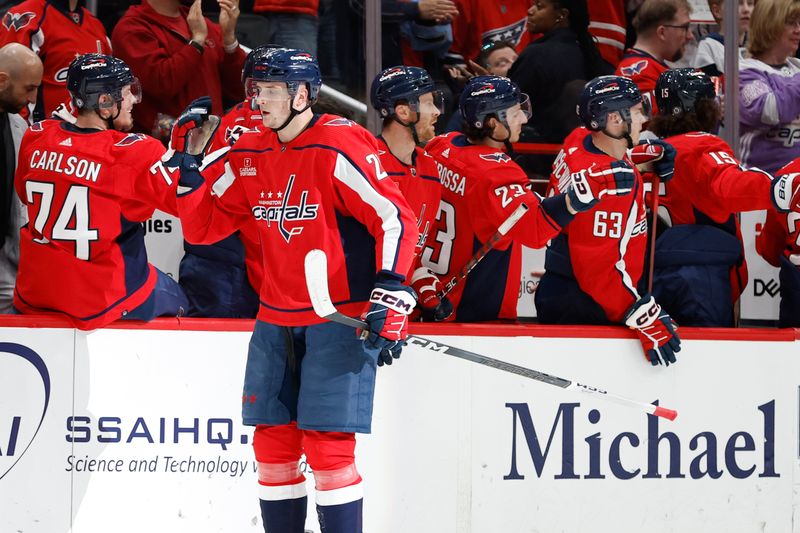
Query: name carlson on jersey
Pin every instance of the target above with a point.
(451, 180)
(67, 165)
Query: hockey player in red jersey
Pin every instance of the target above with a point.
(87, 188)
(663, 32)
(309, 182)
(482, 187)
(779, 241)
(407, 100)
(700, 269)
(593, 268)
(57, 30)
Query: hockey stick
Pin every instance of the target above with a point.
(654, 211)
(504, 228)
(316, 265)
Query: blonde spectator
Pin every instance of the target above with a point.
(770, 86)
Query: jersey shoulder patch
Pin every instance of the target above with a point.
(497, 157)
(339, 121)
(130, 139)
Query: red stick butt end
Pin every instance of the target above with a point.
(663, 412)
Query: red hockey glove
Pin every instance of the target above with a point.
(786, 192)
(387, 317)
(427, 286)
(656, 331)
(657, 155)
(589, 186)
(194, 116)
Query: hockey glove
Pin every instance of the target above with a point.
(426, 284)
(589, 186)
(656, 154)
(387, 318)
(786, 193)
(656, 331)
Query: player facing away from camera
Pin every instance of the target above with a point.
(88, 187)
(700, 269)
(593, 268)
(409, 104)
(482, 187)
(309, 182)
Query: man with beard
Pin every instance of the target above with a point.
(663, 30)
(407, 100)
(20, 77)
(180, 55)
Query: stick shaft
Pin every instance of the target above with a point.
(652, 252)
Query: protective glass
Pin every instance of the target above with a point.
(525, 105)
(258, 91)
(134, 89)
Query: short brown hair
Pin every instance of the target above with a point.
(654, 13)
(767, 22)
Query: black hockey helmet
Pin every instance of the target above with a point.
(290, 66)
(90, 76)
(608, 94)
(486, 96)
(402, 84)
(679, 89)
(255, 55)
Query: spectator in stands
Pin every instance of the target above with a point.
(180, 55)
(710, 57)
(20, 78)
(56, 30)
(663, 31)
(553, 70)
(290, 23)
(480, 22)
(496, 58)
(770, 86)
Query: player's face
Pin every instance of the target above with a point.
(430, 108)
(638, 119)
(543, 16)
(124, 121)
(499, 62)
(677, 34)
(274, 101)
(516, 117)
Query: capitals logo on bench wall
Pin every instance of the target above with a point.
(17, 21)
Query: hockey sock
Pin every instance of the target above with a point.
(339, 488)
(282, 487)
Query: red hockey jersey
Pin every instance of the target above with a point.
(780, 235)
(606, 244)
(481, 187)
(644, 70)
(57, 35)
(710, 186)
(86, 192)
(325, 189)
(419, 183)
(480, 22)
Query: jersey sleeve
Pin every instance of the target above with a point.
(217, 206)
(771, 241)
(21, 25)
(768, 99)
(368, 194)
(728, 183)
(141, 178)
(497, 201)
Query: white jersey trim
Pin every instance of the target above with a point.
(224, 182)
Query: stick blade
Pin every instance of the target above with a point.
(316, 265)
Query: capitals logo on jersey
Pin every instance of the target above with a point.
(497, 157)
(17, 21)
(130, 139)
(511, 33)
(281, 211)
(634, 69)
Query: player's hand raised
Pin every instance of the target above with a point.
(588, 187)
(786, 192)
(656, 331)
(387, 317)
(655, 155)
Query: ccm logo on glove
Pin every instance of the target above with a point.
(396, 300)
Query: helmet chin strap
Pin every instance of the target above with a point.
(625, 135)
(413, 127)
(507, 141)
(292, 113)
